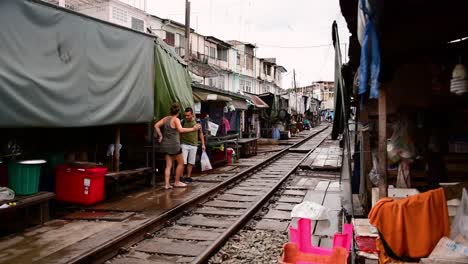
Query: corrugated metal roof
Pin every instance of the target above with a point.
(259, 103)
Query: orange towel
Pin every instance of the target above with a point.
(411, 227)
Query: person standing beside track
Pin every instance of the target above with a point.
(190, 143)
(170, 144)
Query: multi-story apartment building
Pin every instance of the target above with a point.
(114, 11)
(228, 65)
(322, 91)
(172, 32)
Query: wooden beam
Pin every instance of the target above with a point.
(383, 188)
(116, 149)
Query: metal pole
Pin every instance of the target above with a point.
(187, 31)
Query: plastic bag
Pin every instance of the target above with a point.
(401, 144)
(460, 222)
(403, 178)
(6, 194)
(205, 162)
(310, 210)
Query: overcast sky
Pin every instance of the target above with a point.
(282, 29)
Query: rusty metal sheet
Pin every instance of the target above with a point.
(189, 234)
(223, 204)
(277, 214)
(198, 220)
(170, 247)
(295, 192)
(288, 199)
(267, 224)
(99, 215)
(237, 198)
(217, 211)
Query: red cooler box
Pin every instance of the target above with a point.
(79, 185)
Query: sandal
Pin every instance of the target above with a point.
(168, 187)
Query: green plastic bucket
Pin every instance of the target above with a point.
(23, 176)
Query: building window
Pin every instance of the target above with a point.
(119, 14)
(212, 82)
(266, 88)
(246, 86)
(181, 40)
(238, 58)
(221, 82)
(170, 39)
(138, 24)
(268, 70)
(222, 53)
(249, 62)
(212, 53)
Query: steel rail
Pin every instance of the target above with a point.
(112, 247)
(247, 216)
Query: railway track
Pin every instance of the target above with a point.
(192, 232)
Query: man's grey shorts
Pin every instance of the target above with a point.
(190, 153)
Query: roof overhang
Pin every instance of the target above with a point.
(218, 41)
(257, 102)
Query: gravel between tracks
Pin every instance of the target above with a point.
(252, 246)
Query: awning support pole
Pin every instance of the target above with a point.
(117, 150)
(383, 188)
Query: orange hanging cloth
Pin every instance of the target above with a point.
(410, 228)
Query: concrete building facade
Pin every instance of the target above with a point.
(228, 65)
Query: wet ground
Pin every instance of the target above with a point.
(62, 240)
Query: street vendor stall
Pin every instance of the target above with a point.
(220, 115)
(412, 103)
(68, 97)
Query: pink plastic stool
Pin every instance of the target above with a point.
(302, 236)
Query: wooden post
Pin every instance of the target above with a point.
(116, 149)
(383, 188)
(153, 156)
(366, 158)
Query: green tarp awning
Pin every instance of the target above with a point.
(172, 81)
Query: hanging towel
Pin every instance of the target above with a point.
(410, 228)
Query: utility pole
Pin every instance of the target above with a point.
(187, 31)
(295, 91)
